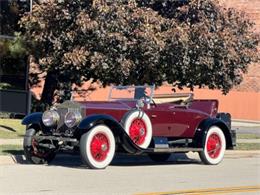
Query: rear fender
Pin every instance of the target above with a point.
(120, 134)
(202, 130)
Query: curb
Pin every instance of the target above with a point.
(12, 159)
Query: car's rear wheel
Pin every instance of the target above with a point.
(139, 128)
(214, 147)
(35, 153)
(159, 157)
(97, 147)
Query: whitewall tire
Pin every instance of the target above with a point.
(139, 128)
(214, 147)
(97, 147)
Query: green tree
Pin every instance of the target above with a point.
(186, 43)
(13, 63)
(13, 59)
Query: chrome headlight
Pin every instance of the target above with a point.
(72, 118)
(50, 118)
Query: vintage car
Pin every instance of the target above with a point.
(134, 120)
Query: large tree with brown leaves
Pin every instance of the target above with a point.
(186, 43)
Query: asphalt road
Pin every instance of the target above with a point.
(134, 175)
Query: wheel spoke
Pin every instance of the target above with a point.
(214, 145)
(138, 131)
(99, 147)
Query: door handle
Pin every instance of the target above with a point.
(154, 116)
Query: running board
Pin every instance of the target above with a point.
(172, 150)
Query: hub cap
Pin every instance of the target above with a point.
(99, 147)
(138, 131)
(214, 145)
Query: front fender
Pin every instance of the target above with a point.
(202, 130)
(34, 118)
(120, 134)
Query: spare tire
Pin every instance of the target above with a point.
(139, 128)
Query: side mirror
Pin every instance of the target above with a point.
(139, 104)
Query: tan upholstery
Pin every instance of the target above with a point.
(173, 98)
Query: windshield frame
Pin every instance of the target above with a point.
(121, 87)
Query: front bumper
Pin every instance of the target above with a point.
(55, 142)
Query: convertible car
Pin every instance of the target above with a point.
(134, 120)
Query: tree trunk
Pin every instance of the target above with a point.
(49, 88)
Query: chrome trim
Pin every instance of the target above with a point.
(77, 117)
(55, 117)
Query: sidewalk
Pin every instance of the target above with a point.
(245, 123)
(11, 141)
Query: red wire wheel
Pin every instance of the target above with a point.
(99, 147)
(214, 145)
(138, 126)
(138, 131)
(34, 153)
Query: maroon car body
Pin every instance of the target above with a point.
(169, 120)
(154, 124)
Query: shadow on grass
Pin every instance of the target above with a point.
(8, 128)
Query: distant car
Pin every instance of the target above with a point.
(134, 120)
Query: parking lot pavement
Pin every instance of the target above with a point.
(132, 175)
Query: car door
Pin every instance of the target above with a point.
(173, 121)
(161, 119)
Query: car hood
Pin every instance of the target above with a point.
(113, 105)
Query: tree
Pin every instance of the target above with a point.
(13, 60)
(186, 43)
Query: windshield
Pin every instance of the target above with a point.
(131, 93)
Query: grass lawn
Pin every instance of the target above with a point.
(11, 128)
(248, 146)
(248, 136)
(11, 149)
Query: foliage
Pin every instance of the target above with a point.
(186, 43)
(13, 57)
(10, 14)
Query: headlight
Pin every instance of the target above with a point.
(72, 119)
(50, 118)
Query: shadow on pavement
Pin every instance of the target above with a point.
(120, 160)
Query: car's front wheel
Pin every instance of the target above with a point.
(33, 152)
(97, 147)
(214, 147)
